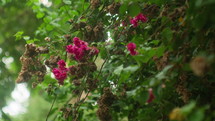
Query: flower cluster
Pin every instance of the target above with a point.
(60, 72)
(131, 47)
(140, 17)
(80, 48)
(151, 96)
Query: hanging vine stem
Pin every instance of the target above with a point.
(87, 94)
(100, 71)
(76, 115)
(51, 107)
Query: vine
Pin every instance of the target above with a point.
(138, 60)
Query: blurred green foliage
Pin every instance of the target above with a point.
(14, 16)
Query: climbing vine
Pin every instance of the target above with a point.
(124, 60)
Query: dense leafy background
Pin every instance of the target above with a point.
(175, 57)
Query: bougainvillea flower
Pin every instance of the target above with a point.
(151, 96)
(131, 48)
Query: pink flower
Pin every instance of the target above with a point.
(78, 49)
(79, 53)
(151, 96)
(79, 43)
(134, 22)
(60, 75)
(133, 52)
(75, 39)
(61, 63)
(141, 17)
(70, 48)
(131, 47)
(84, 46)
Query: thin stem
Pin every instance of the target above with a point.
(80, 104)
(51, 107)
(100, 71)
(79, 97)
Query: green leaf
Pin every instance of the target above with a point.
(49, 27)
(124, 76)
(123, 9)
(167, 35)
(141, 96)
(68, 2)
(18, 35)
(131, 69)
(26, 38)
(118, 70)
(29, 41)
(163, 73)
(57, 2)
(197, 115)
(40, 15)
(134, 9)
(188, 108)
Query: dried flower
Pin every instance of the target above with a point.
(199, 65)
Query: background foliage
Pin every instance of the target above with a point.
(175, 58)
